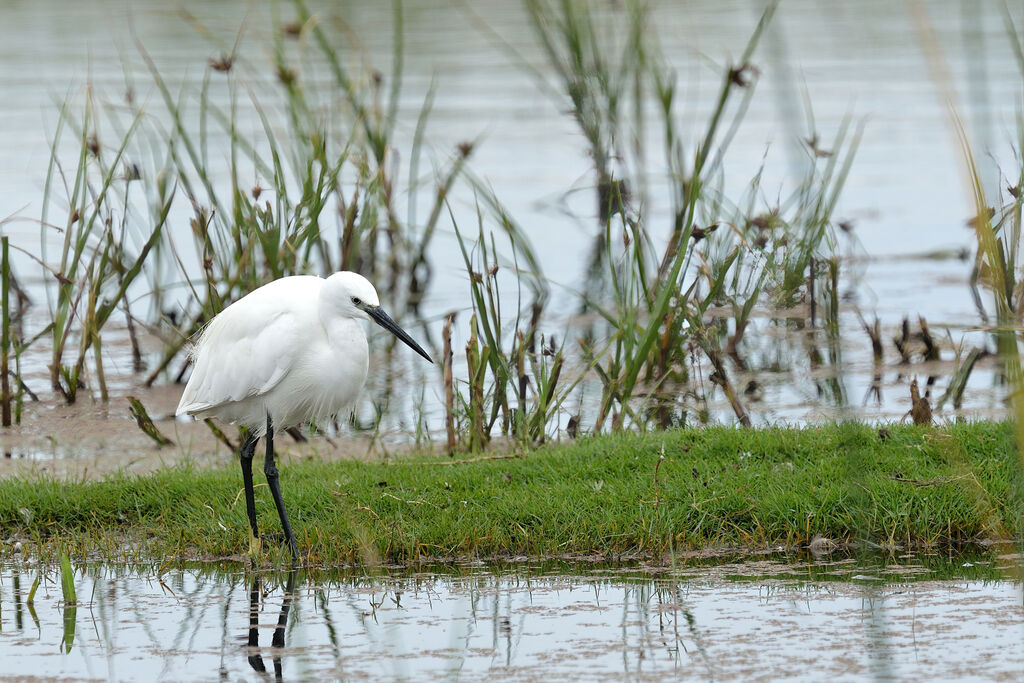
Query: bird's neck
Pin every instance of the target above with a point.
(347, 335)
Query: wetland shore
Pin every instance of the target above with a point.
(653, 495)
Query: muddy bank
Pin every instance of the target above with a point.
(93, 438)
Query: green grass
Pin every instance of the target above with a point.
(716, 488)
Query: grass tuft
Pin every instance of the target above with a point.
(610, 495)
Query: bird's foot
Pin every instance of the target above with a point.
(255, 546)
(256, 542)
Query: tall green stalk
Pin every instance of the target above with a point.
(5, 333)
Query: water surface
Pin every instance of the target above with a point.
(905, 195)
(771, 618)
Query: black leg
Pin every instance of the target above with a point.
(270, 470)
(246, 455)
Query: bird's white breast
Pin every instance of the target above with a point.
(325, 379)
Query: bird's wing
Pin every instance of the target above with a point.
(240, 355)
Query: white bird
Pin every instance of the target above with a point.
(291, 352)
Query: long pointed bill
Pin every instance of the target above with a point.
(385, 321)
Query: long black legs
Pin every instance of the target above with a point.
(270, 470)
(248, 450)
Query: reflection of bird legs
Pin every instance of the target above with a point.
(282, 618)
(277, 642)
(270, 471)
(255, 660)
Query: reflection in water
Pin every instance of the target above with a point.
(904, 195)
(277, 642)
(17, 602)
(70, 621)
(761, 618)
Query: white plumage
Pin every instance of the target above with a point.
(290, 352)
(294, 349)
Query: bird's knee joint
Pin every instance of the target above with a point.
(248, 449)
(270, 471)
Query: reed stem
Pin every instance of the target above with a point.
(5, 326)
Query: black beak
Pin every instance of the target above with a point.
(385, 321)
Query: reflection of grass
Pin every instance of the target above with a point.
(318, 187)
(716, 487)
(314, 189)
(646, 297)
(999, 235)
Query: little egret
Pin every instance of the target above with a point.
(290, 352)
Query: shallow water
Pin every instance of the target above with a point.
(905, 194)
(770, 618)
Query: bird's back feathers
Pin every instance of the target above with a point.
(293, 350)
(248, 348)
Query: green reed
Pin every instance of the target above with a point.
(318, 187)
(649, 301)
(313, 191)
(103, 249)
(5, 333)
(653, 297)
(12, 386)
(512, 374)
(999, 245)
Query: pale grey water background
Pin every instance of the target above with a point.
(765, 619)
(905, 195)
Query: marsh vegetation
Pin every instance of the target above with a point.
(160, 208)
(164, 204)
(694, 287)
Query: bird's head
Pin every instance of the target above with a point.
(352, 296)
